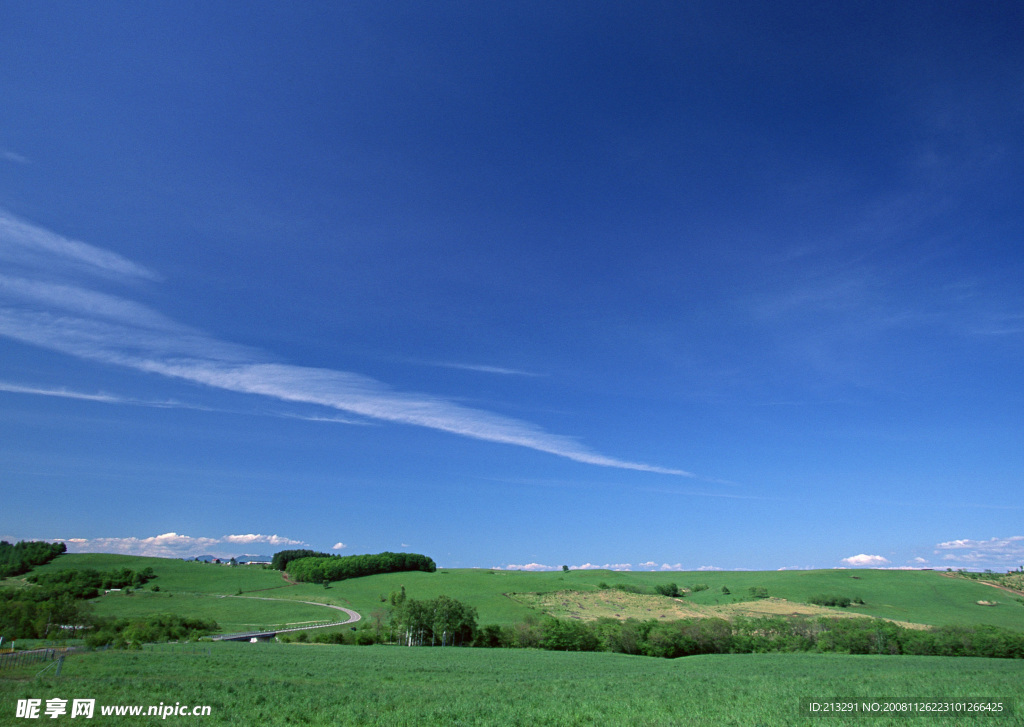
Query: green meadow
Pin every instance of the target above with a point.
(314, 684)
(176, 575)
(922, 597)
(232, 613)
(279, 684)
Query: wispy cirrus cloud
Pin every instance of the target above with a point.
(12, 157)
(60, 393)
(104, 398)
(484, 369)
(25, 244)
(63, 393)
(90, 324)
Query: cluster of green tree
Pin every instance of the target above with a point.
(674, 591)
(57, 606)
(157, 627)
(668, 589)
(24, 615)
(24, 555)
(87, 582)
(337, 568)
(833, 600)
(282, 558)
(442, 621)
(673, 639)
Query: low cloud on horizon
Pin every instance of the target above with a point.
(864, 559)
(172, 545)
(994, 551)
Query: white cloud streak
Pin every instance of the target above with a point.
(16, 158)
(98, 326)
(102, 398)
(60, 393)
(500, 370)
(26, 244)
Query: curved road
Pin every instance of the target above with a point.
(352, 618)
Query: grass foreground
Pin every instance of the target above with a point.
(279, 684)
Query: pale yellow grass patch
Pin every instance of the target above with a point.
(613, 603)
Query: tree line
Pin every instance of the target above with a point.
(689, 637)
(132, 633)
(87, 582)
(57, 605)
(327, 568)
(24, 555)
(444, 621)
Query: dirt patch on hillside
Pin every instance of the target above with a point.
(611, 603)
(591, 605)
(1011, 584)
(776, 607)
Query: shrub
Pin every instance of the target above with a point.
(830, 600)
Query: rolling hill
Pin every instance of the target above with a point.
(505, 597)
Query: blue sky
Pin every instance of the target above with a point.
(516, 285)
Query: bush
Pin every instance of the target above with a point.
(567, 635)
(830, 600)
(25, 555)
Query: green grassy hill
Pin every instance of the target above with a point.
(188, 588)
(924, 597)
(174, 574)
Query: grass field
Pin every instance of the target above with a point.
(277, 684)
(232, 613)
(174, 574)
(920, 597)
